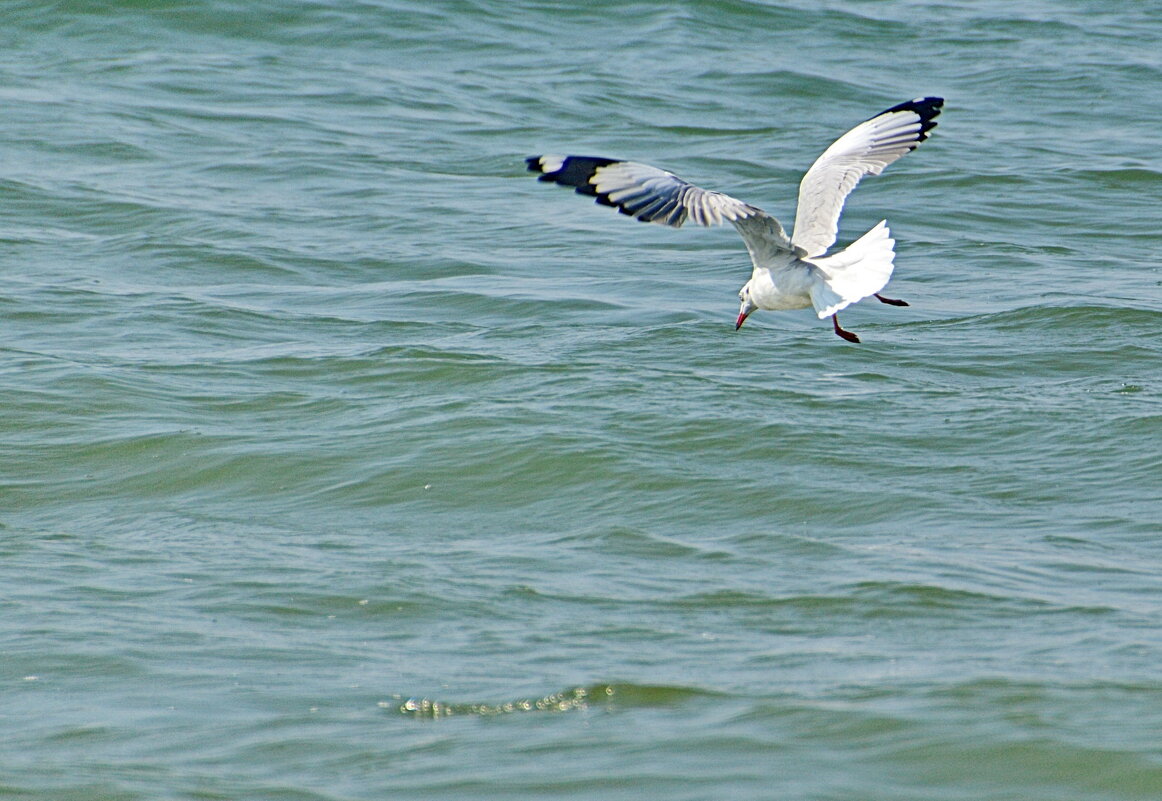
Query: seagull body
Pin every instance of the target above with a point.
(793, 272)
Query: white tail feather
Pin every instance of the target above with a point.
(859, 270)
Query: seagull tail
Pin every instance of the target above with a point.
(861, 269)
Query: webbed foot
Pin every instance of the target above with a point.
(849, 336)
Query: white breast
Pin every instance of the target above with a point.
(788, 287)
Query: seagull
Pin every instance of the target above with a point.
(789, 273)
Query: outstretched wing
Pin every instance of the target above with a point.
(658, 196)
(641, 191)
(864, 150)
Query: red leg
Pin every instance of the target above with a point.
(890, 301)
(850, 337)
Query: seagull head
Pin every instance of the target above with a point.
(746, 308)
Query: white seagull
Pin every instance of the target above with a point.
(789, 273)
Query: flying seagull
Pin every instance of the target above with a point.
(789, 273)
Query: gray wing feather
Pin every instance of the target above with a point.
(654, 195)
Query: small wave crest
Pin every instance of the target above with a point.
(574, 699)
(570, 700)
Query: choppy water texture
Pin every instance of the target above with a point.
(340, 459)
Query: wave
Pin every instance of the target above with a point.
(572, 699)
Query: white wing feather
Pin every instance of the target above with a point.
(864, 150)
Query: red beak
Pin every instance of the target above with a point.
(741, 319)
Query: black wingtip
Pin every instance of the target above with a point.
(574, 171)
(926, 108)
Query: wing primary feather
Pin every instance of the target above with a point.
(864, 150)
(657, 196)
